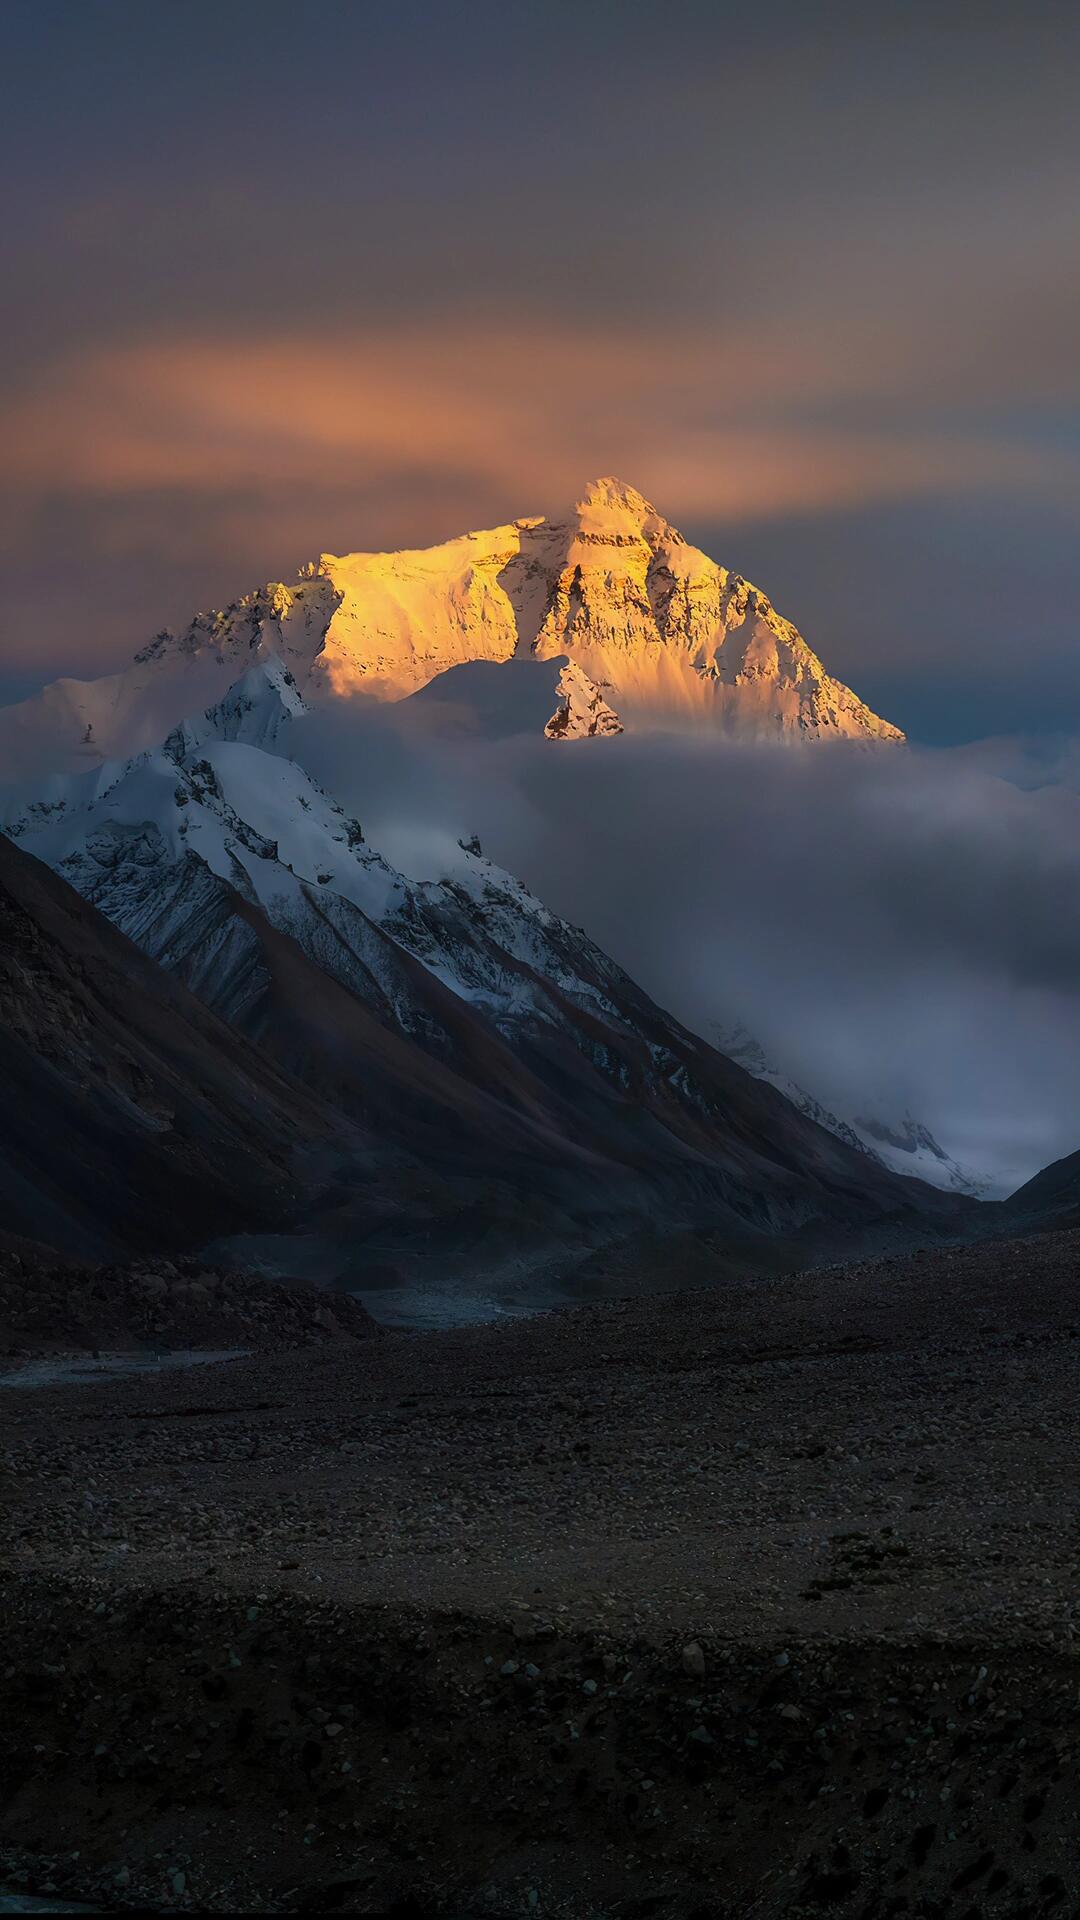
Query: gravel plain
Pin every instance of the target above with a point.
(760, 1599)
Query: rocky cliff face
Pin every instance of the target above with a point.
(660, 629)
(655, 633)
(669, 632)
(582, 712)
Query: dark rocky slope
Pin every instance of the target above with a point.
(1052, 1197)
(567, 1120)
(132, 1118)
(139, 1121)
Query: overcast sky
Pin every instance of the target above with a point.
(292, 278)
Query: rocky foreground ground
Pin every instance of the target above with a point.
(755, 1601)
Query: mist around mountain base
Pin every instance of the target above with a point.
(900, 931)
(639, 735)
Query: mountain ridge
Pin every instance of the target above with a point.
(456, 1020)
(654, 631)
(904, 1144)
(134, 1118)
(475, 1078)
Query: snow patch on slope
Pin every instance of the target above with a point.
(149, 840)
(582, 712)
(905, 1146)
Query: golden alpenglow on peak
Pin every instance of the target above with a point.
(667, 634)
(620, 498)
(662, 635)
(610, 507)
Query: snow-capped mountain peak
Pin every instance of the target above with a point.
(665, 636)
(257, 711)
(611, 511)
(155, 842)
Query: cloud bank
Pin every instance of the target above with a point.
(901, 931)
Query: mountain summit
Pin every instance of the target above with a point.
(655, 632)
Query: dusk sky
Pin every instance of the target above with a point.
(284, 279)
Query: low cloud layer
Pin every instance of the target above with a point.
(900, 931)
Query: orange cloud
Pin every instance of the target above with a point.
(706, 425)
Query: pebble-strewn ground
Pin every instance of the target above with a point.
(758, 1601)
(161, 1305)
